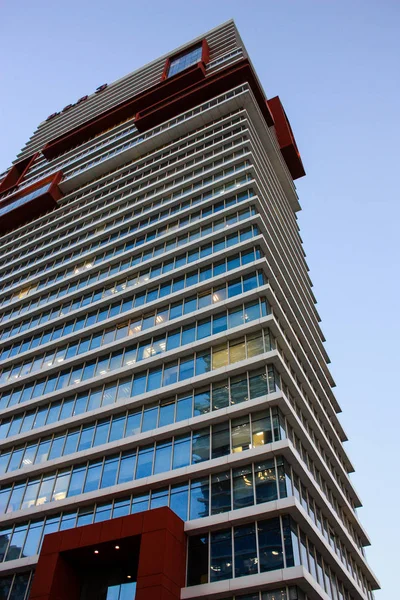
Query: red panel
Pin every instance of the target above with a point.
(123, 111)
(17, 173)
(205, 56)
(286, 138)
(161, 568)
(173, 95)
(33, 208)
(184, 99)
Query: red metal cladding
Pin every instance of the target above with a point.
(30, 203)
(16, 174)
(205, 56)
(166, 100)
(123, 111)
(286, 139)
(152, 543)
(211, 86)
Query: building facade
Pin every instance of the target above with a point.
(160, 345)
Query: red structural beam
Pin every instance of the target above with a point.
(30, 203)
(205, 56)
(16, 174)
(211, 86)
(160, 569)
(123, 111)
(286, 139)
(172, 95)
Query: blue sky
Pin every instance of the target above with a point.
(335, 65)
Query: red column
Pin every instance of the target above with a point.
(162, 557)
(162, 560)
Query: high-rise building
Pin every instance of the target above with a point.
(167, 418)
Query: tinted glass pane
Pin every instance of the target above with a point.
(199, 498)
(270, 544)
(242, 487)
(245, 550)
(220, 493)
(197, 560)
(266, 489)
(144, 462)
(221, 555)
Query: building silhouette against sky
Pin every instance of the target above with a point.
(161, 351)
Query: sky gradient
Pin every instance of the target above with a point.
(335, 66)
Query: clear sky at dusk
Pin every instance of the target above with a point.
(335, 66)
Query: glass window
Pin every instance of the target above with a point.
(261, 429)
(199, 498)
(246, 561)
(255, 345)
(93, 476)
(159, 498)
(236, 317)
(258, 384)
(167, 412)
(103, 512)
(201, 445)
(86, 438)
(237, 350)
(16, 543)
(56, 447)
(183, 61)
(43, 451)
(61, 485)
(242, 487)
(220, 395)
(198, 560)
(186, 369)
(202, 401)
(127, 467)
(71, 442)
(220, 440)
(241, 434)
(203, 362)
(122, 507)
(170, 373)
(150, 417)
(220, 493)
(163, 457)
(140, 503)
(117, 428)
(110, 470)
(239, 391)
(188, 334)
(181, 452)
(133, 423)
(265, 477)
(154, 380)
(145, 462)
(221, 555)
(179, 500)
(270, 545)
(77, 480)
(184, 407)
(220, 323)
(220, 356)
